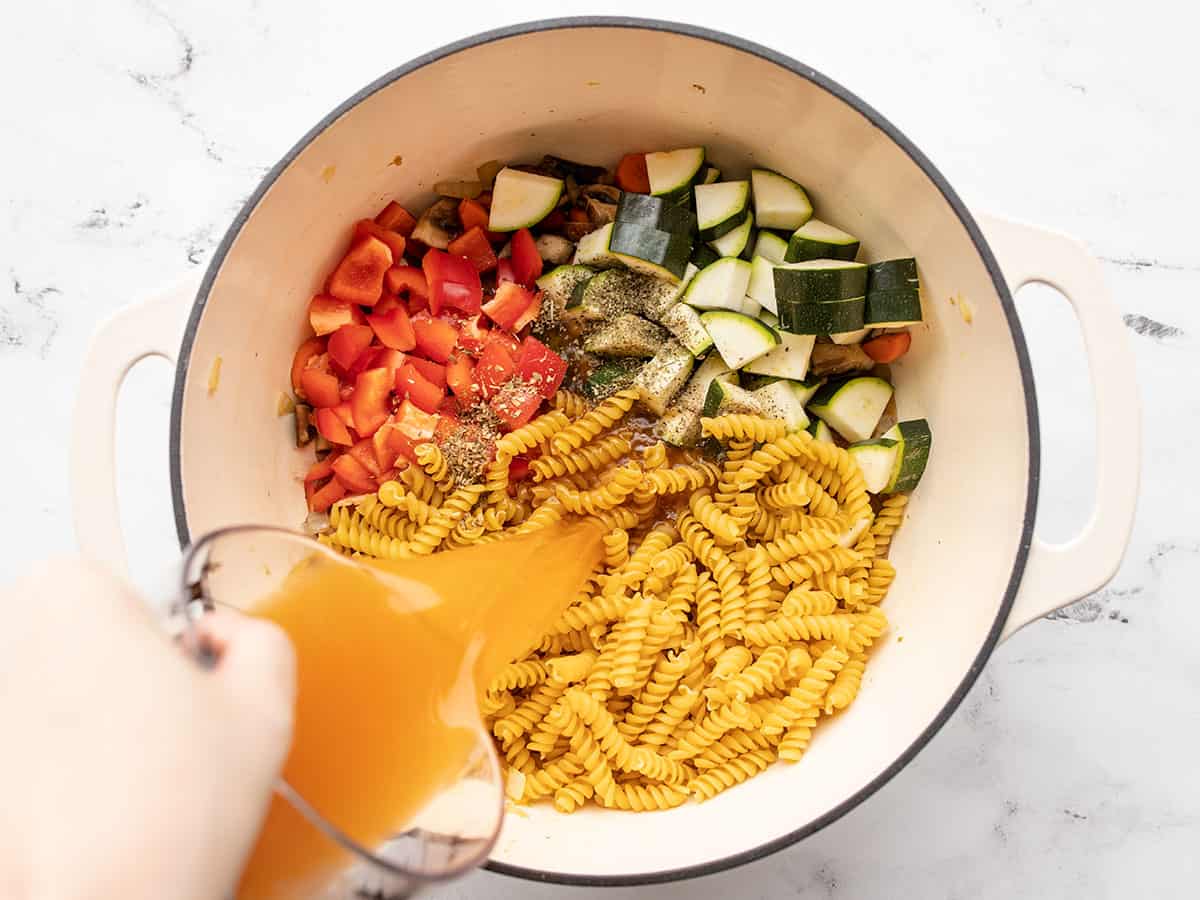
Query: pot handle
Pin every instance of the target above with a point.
(1058, 574)
(149, 328)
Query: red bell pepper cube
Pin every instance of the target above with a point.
(526, 261)
(504, 272)
(327, 314)
(348, 343)
(435, 338)
(364, 452)
(368, 228)
(473, 334)
(453, 281)
(393, 328)
(387, 358)
(510, 304)
(385, 453)
(430, 370)
(353, 475)
(515, 404)
(322, 468)
(414, 423)
(321, 388)
(530, 314)
(460, 378)
(414, 386)
(332, 428)
(472, 213)
(358, 278)
(395, 217)
(307, 351)
(505, 340)
(324, 497)
(370, 402)
(540, 367)
(402, 445)
(474, 246)
(406, 281)
(518, 469)
(495, 367)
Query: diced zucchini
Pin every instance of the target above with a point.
(680, 424)
(684, 322)
(893, 308)
(762, 283)
(522, 199)
(610, 376)
(704, 256)
(876, 459)
(852, 407)
(721, 207)
(770, 246)
(783, 400)
(626, 335)
(721, 285)
(735, 242)
(738, 337)
(770, 318)
(644, 248)
(592, 249)
(822, 318)
(779, 202)
(788, 360)
(643, 209)
(559, 283)
(915, 441)
(751, 307)
(820, 431)
(819, 240)
(674, 170)
(891, 274)
(820, 281)
(709, 174)
(724, 398)
(664, 376)
(850, 337)
(612, 293)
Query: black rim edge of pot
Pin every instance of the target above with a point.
(968, 222)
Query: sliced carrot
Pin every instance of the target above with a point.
(888, 347)
(632, 175)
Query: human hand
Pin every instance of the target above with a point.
(127, 771)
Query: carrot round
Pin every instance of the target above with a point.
(888, 347)
(631, 173)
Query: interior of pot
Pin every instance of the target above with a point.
(593, 93)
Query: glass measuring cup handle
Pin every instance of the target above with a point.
(235, 568)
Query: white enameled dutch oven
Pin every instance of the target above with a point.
(970, 570)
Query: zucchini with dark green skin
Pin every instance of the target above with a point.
(674, 171)
(822, 318)
(721, 207)
(651, 250)
(852, 407)
(626, 335)
(914, 443)
(893, 308)
(891, 274)
(644, 209)
(820, 281)
(663, 377)
(817, 240)
(779, 202)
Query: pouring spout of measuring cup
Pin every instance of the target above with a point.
(392, 782)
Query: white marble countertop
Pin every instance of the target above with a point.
(134, 129)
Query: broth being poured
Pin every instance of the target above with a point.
(391, 660)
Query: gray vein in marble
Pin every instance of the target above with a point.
(1151, 328)
(102, 218)
(1094, 607)
(161, 84)
(1140, 263)
(26, 318)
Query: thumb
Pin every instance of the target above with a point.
(256, 671)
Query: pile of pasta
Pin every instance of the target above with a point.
(734, 608)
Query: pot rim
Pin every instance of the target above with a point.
(879, 121)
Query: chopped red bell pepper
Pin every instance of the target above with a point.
(387, 358)
(475, 212)
(321, 499)
(453, 281)
(367, 228)
(393, 328)
(473, 334)
(518, 469)
(370, 402)
(461, 380)
(354, 475)
(505, 340)
(414, 386)
(308, 350)
(526, 261)
(515, 404)
(553, 223)
(322, 468)
(385, 454)
(504, 272)
(358, 278)
(402, 445)
(342, 410)
(364, 452)
(430, 370)
(541, 367)
(473, 244)
(321, 388)
(510, 304)
(435, 338)
(347, 344)
(414, 423)
(332, 428)
(530, 314)
(396, 218)
(406, 281)
(327, 314)
(495, 367)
